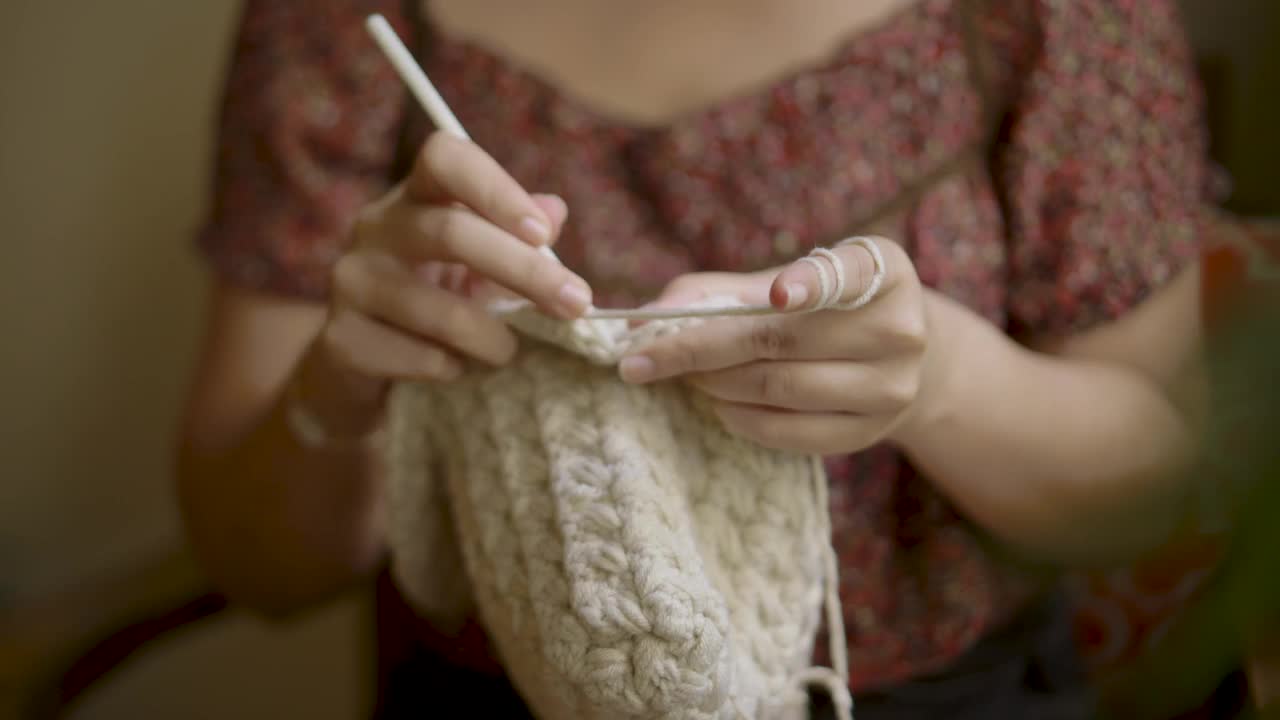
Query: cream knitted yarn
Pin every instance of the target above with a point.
(628, 557)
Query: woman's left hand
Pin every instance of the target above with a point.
(827, 381)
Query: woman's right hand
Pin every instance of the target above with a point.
(406, 296)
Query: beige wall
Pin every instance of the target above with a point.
(102, 145)
(104, 117)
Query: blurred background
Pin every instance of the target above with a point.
(105, 117)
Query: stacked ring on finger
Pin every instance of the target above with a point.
(831, 275)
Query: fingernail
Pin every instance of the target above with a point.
(561, 205)
(575, 298)
(796, 295)
(539, 230)
(635, 369)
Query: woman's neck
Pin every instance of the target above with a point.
(650, 63)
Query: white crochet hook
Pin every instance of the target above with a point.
(415, 78)
(419, 84)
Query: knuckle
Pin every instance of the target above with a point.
(348, 274)
(775, 384)
(357, 279)
(901, 329)
(446, 230)
(902, 390)
(908, 332)
(770, 340)
(681, 356)
(337, 339)
(437, 149)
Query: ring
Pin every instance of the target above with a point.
(832, 280)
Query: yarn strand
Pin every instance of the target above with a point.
(835, 679)
(836, 638)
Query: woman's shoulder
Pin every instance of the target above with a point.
(1078, 36)
(306, 133)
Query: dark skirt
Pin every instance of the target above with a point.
(1028, 668)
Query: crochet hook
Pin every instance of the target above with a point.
(420, 85)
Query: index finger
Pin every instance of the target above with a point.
(717, 345)
(868, 266)
(451, 169)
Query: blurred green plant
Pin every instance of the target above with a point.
(1240, 606)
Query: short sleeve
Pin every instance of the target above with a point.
(306, 134)
(1104, 165)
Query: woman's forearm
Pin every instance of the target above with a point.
(1064, 459)
(277, 524)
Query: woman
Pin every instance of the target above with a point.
(1006, 404)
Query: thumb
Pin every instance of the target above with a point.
(814, 280)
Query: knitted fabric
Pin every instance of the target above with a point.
(628, 556)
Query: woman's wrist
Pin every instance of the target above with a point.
(327, 406)
(962, 349)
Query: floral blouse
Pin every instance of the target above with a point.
(1042, 161)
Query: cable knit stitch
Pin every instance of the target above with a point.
(629, 557)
